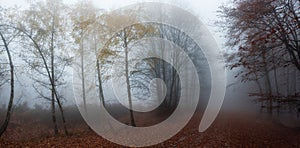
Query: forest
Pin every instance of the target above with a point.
(264, 38)
(54, 54)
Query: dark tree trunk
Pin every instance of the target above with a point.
(53, 86)
(127, 81)
(100, 84)
(36, 45)
(268, 83)
(11, 99)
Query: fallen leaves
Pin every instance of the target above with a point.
(229, 130)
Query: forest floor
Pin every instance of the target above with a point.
(229, 130)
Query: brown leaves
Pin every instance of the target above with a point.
(229, 130)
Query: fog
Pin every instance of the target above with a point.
(236, 95)
(236, 100)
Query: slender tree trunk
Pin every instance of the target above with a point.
(159, 90)
(52, 80)
(276, 83)
(177, 90)
(259, 88)
(82, 75)
(278, 96)
(288, 82)
(100, 83)
(62, 113)
(163, 66)
(11, 98)
(55, 128)
(36, 45)
(275, 73)
(100, 87)
(128, 82)
(295, 81)
(173, 89)
(268, 83)
(261, 93)
(53, 85)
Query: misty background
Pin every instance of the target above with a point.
(237, 94)
(207, 12)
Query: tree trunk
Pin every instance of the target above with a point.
(259, 88)
(48, 73)
(11, 99)
(82, 75)
(53, 85)
(173, 89)
(288, 82)
(275, 73)
(128, 82)
(52, 80)
(276, 83)
(295, 81)
(163, 66)
(62, 113)
(52, 76)
(268, 83)
(100, 84)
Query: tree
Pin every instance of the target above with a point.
(159, 68)
(275, 22)
(7, 35)
(117, 47)
(87, 34)
(43, 25)
(264, 38)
